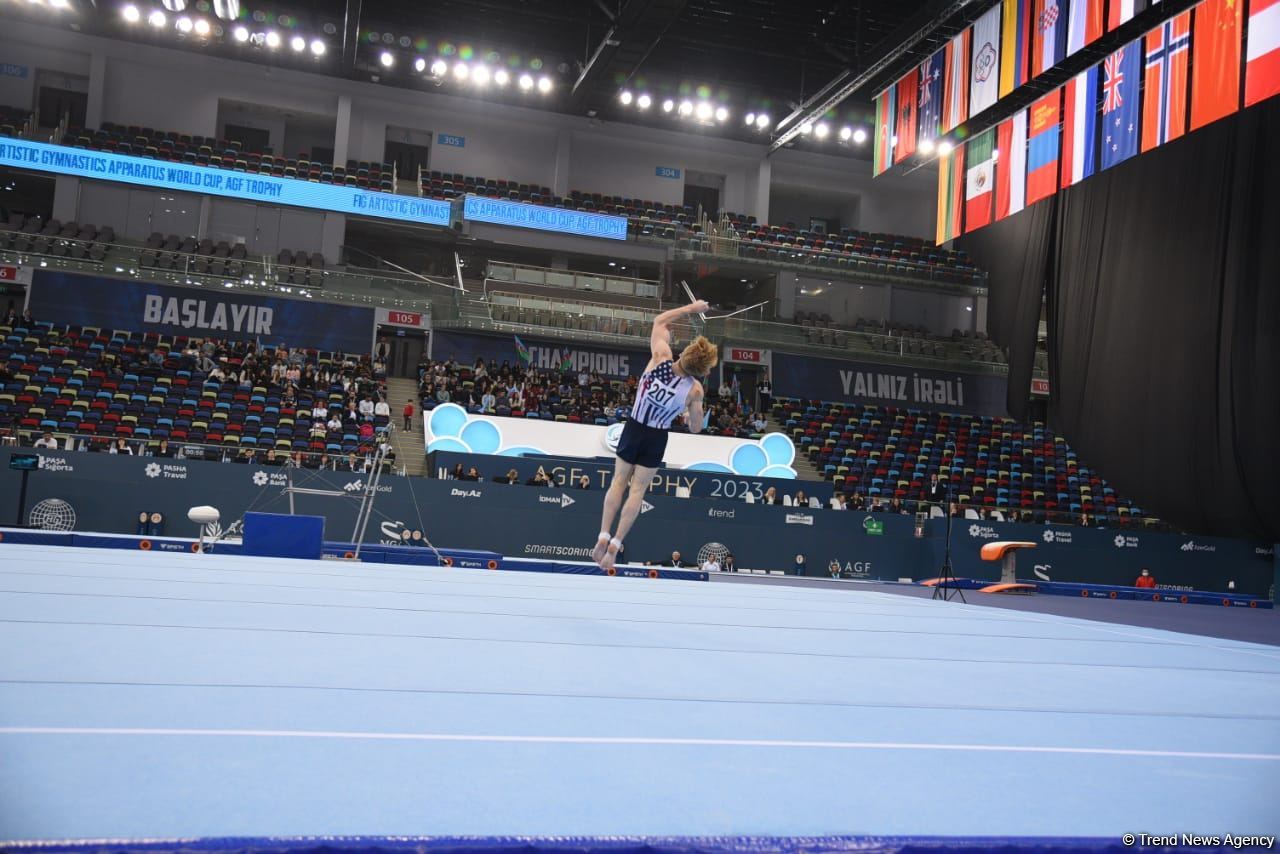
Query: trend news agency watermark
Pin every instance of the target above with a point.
(1229, 840)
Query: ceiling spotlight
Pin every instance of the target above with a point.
(131, 14)
(273, 40)
(722, 114)
(668, 105)
(526, 82)
(298, 44)
(59, 4)
(386, 59)
(156, 19)
(944, 148)
(202, 27)
(751, 118)
(644, 101)
(501, 77)
(686, 108)
(703, 111)
(806, 128)
(419, 65)
(893, 140)
(240, 34)
(925, 146)
(762, 120)
(226, 10)
(317, 47)
(625, 97)
(995, 152)
(845, 133)
(461, 70)
(544, 85)
(480, 75)
(183, 24)
(822, 130)
(859, 136)
(439, 68)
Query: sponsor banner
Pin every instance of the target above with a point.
(831, 380)
(67, 494)
(163, 175)
(173, 310)
(544, 355)
(520, 215)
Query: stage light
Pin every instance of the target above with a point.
(60, 4)
(318, 47)
(298, 44)
(845, 133)
(686, 108)
(644, 101)
(202, 27)
(439, 68)
(893, 140)
(240, 34)
(461, 70)
(480, 75)
(625, 97)
(995, 152)
(703, 111)
(944, 149)
(131, 14)
(668, 105)
(762, 120)
(419, 65)
(526, 82)
(501, 77)
(226, 10)
(751, 118)
(806, 128)
(174, 5)
(821, 130)
(722, 114)
(156, 19)
(183, 24)
(386, 59)
(545, 85)
(859, 136)
(925, 146)
(273, 40)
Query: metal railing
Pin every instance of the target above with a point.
(527, 274)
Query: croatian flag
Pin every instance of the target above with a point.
(1164, 99)
(1080, 127)
(1119, 128)
(1049, 40)
(1042, 147)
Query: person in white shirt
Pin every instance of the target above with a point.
(335, 423)
(759, 423)
(319, 412)
(47, 441)
(726, 391)
(711, 564)
(366, 409)
(382, 408)
(121, 447)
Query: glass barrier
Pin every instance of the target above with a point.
(546, 276)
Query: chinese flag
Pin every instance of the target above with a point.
(1215, 61)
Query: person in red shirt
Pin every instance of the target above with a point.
(408, 414)
(1145, 579)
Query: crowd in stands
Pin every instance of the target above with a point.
(577, 397)
(128, 392)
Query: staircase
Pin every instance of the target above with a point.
(805, 470)
(409, 446)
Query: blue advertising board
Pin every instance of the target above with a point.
(520, 215)
(172, 310)
(164, 175)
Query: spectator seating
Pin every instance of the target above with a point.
(898, 339)
(51, 237)
(102, 383)
(13, 120)
(997, 463)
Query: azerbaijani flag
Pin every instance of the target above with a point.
(522, 351)
(1042, 148)
(886, 118)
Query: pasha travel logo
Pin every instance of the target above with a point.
(1052, 536)
(983, 532)
(168, 470)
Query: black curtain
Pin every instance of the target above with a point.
(1016, 252)
(1164, 302)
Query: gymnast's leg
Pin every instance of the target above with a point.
(640, 479)
(612, 501)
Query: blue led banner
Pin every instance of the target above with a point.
(163, 175)
(171, 310)
(480, 209)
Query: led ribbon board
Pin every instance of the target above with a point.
(164, 175)
(499, 212)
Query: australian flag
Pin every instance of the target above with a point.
(930, 102)
(1120, 105)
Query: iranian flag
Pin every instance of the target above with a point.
(979, 184)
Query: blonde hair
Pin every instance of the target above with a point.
(699, 357)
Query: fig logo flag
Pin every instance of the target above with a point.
(1042, 147)
(1011, 164)
(1262, 57)
(905, 144)
(1015, 44)
(1120, 105)
(984, 79)
(979, 188)
(1085, 25)
(1049, 38)
(1079, 127)
(886, 121)
(1215, 61)
(955, 94)
(930, 103)
(1123, 10)
(1164, 97)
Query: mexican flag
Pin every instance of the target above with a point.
(980, 183)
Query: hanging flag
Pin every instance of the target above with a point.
(1215, 61)
(1262, 58)
(1011, 164)
(984, 77)
(1164, 97)
(882, 157)
(955, 93)
(1085, 26)
(1079, 127)
(1015, 53)
(929, 107)
(904, 141)
(950, 193)
(1123, 10)
(1042, 147)
(522, 351)
(1119, 127)
(1049, 36)
(979, 180)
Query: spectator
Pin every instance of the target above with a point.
(584, 482)
(47, 441)
(728, 565)
(442, 395)
(876, 506)
(317, 429)
(935, 492)
(121, 447)
(800, 565)
(408, 415)
(271, 458)
(355, 464)
(163, 450)
(366, 409)
(675, 560)
(382, 408)
(472, 474)
(335, 423)
(896, 506)
(838, 502)
(801, 500)
(955, 512)
(859, 502)
(539, 479)
(458, 472)
(725, 392)
(1146, 580)
(488, 403)
(319, 411)
(512, 476)
(770, 496)
(758, 423)
(764, 391)
(711, 564)
(366, 432)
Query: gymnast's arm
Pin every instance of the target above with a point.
(660, 338)
(696, 416)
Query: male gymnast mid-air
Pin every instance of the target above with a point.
(666, 390)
